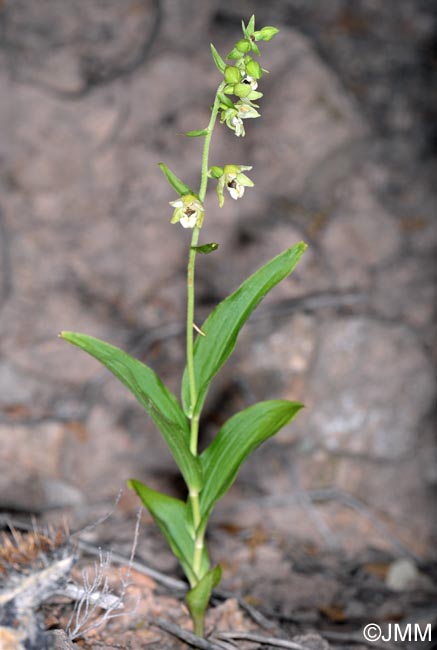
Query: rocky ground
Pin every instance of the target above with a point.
(94, 94)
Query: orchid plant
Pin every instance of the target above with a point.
(210, 474)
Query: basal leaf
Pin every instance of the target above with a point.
(239, 436)
(158, 401)
(198, 597)
(223, 325)
(176, 183)
(173, 519)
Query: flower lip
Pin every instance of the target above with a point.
(250, 81)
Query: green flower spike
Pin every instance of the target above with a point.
(234, 180)
(189, 211)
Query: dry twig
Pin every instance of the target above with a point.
(188, 637)
(264, 640)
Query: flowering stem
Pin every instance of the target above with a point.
(194, 432)
(190, 276)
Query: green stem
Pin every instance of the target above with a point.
(190, 277)
(194, 427)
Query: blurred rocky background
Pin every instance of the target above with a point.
(93, 95)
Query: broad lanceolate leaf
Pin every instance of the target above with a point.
(174, 520)
(239, 436)
(175, 182)
(223, 325)
(221, 65)
(198, 597)
(159, 402)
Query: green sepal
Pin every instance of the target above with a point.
(255, 49)
(205, 248)
(173, 517)
(225, 322)
(176, 183)
(238, 437)
(198, 597)
(152, 394)
(221, 65)
(196, 133)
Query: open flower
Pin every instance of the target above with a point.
(189, 211)
(233, 117)
(234, 180)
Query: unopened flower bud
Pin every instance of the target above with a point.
(232, 75)
(253, 69)
(265, 34)
(243, 46)
(242, 89)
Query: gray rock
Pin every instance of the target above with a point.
(371, 386)
(309, 116)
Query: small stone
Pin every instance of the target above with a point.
(401, 574)
(312, 641)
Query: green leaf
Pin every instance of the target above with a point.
(224, 324)
(158, 401)
(198, 597)
(174, 181)
(174, 520)
(238, 437)
(196, 133)
(221, 65)
(205, 248)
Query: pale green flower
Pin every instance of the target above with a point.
(233, 117)
(189, 211)
(234, 180)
